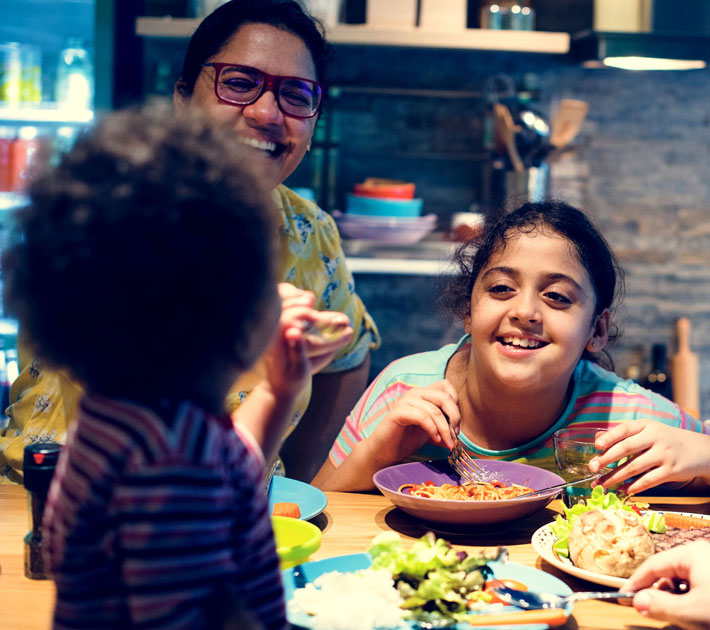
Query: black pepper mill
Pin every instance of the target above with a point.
(38, 463)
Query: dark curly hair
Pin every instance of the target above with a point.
(218, 27)
(592, 250)
(146, 257)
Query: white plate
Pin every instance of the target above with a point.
(542, 542)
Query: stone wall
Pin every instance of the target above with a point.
(641, 170)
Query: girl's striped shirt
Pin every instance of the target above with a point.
(599, 397)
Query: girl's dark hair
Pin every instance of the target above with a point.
(218, 27)
(592, 250)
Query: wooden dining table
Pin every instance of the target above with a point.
(349, 523)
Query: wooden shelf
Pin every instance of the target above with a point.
(472, 38)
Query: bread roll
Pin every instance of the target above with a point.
(613, 542)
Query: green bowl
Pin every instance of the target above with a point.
(296, 540)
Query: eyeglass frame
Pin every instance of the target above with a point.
(271, 82)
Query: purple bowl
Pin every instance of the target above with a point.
(388, 480)
(393, 231)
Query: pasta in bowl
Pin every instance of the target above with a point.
(454, 505)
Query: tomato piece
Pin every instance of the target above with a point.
(519, 586)
(635, 509)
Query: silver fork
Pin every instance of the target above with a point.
(463, 463)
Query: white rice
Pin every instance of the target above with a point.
(363, 600)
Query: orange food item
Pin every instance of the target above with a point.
(490, 585)
(486, 491)
(685, 522)
(550, 616)
(286, 509)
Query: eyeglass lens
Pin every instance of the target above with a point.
(244, 85)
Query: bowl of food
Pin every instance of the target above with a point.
(295, 539)
(405, 485)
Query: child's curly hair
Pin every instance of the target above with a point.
(146, 256)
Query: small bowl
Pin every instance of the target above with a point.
(377, 207)
(385, 230)
(385, 188)
(296, 540)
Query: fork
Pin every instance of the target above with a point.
(463, 463)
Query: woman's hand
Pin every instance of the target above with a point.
(689, 562)
(658, 454)
(422, 414)
(298, 313)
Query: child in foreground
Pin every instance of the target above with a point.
(535, 295)
(157, 509)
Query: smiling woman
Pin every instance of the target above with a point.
(257, 67)
(535, 293)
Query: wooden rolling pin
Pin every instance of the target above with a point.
(684, 371)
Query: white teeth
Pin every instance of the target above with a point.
(259, 144)
(523, 343)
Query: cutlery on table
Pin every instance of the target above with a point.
(560, 486)
(536, 601)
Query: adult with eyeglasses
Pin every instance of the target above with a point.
(256, 66)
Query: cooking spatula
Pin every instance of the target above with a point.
(505, 128)
(567, 122)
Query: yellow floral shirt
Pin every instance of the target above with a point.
(42, 402)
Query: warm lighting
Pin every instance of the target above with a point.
(653, 63)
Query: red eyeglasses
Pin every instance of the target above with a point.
(242, 85)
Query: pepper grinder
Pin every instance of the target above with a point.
(38, 463)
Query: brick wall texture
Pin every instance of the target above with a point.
(641, 170)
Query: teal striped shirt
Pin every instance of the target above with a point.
(599, 397)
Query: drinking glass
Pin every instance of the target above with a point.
(574, 448)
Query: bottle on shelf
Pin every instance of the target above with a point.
(10, 74)
(23, 157)
(7, 134)
(75, 82)
(658, 380)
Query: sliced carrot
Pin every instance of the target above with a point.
(685, 522)
(286, 509)
(550, 616)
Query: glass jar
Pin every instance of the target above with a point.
(38, 464)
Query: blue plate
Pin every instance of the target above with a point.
(535, 579)
(311, 501)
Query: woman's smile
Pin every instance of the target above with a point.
(279, 141)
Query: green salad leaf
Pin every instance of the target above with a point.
(434, 580)
(601, 500)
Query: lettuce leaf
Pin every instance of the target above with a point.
(433, 578)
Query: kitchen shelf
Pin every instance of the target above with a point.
(46, 114)
(471, 38)
(430, 257)
(12, 201)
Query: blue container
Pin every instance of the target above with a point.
(379, 207)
